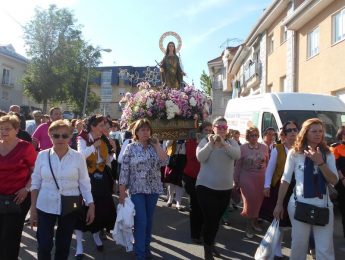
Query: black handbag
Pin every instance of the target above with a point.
(311, 214)
(8, 206)
(69, 204)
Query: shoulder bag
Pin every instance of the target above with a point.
(69, 204)
(311, 214)
(8, 206)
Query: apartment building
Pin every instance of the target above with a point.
(221, 84)
(112, 83)
(296, 46)
(12, 67)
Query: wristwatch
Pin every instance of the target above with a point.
(27, 189)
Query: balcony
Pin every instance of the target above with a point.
(252, 75)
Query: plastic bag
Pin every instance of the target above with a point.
(265, 251)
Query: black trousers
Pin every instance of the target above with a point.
(11, 227)
(63, 236)
(195, 213)
(213, 204)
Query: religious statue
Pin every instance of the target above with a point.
(171, 72)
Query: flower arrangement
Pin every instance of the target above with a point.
(164, 104)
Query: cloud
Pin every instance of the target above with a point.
(199, 7)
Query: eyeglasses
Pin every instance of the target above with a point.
(7, 129)
(253, 135)
(221, 127)
(57, 136)
(290, 130)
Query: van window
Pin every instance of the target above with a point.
(332, 120)
(268, 120)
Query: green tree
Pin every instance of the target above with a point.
(206, 83)
(59, 58)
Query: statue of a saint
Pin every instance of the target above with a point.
(171, 72)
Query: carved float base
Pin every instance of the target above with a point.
(173, 129)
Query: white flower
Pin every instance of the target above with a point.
(192, 101)
(172, 109)
(149, 102)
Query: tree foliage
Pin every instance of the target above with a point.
(206, 83)
(59, 58)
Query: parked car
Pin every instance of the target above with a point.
(68, 115)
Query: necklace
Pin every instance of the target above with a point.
(256, 146)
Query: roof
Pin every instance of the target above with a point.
(131, 75)
(9, 51)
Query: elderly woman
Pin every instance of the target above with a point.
(314, 167)
(250, 176)
(215, 180)
(140, 175)
(58, 171)
(17, 159)
(95, 151)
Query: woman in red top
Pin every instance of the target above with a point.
(17, 159)
(191, 171)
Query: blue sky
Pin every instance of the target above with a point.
(132, 28)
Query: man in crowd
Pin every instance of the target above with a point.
(40, 137)
(37, 115)
(16, 109)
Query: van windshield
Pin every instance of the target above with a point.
(332, 120)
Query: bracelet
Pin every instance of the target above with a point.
(321, 164)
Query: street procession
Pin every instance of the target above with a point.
(186, 146)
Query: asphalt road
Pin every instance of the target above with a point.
(171, 240)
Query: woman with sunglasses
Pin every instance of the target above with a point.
(215, 180)
(273, 174)
(17, 159)
(95, 151)
(69, 169)
(249, 178)
(313, 166)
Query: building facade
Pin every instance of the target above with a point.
(12, 68)
(114, 82)
(221, 84)
(296, 46)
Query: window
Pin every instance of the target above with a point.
(283, 34)
(282, 84)
(313, 43)
(338, 26)
(268, 120)
(4, 95)
(269, 88)
(5, 77)
(270, 44)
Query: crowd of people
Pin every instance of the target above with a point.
(67, 173)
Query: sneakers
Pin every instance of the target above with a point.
(257, 228)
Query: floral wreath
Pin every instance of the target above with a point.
(170, 33)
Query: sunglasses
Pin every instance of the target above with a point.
(253, 135)
(290, 130)
(57, 136)
(221, 127)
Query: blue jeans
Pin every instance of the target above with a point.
(144, 205)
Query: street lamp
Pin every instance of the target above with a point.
(87, 78)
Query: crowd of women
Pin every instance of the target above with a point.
(71, 183)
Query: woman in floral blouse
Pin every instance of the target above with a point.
(140, 175)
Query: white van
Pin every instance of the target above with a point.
(273, 109)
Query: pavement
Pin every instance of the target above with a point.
(171, 239)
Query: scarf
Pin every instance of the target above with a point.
(91, 161)
(314, 184)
